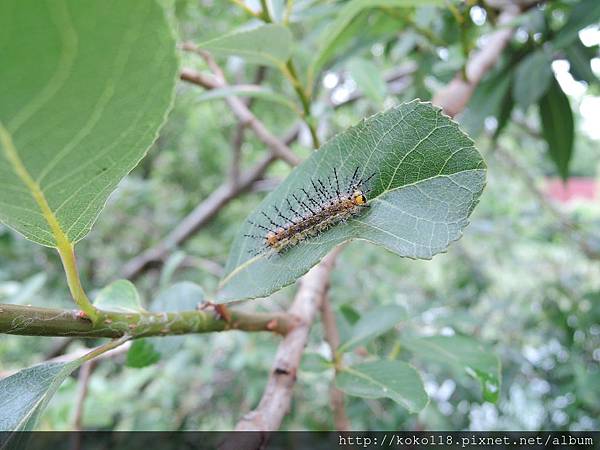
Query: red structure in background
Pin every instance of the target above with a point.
(575, 189)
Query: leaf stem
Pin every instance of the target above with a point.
(61, 240)
(289, 71)
(67, 256)
(105, 347)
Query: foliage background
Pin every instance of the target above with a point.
(517, 281)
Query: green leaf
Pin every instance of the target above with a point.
(368, 79)
(314, 362)
(533, 76)
(259, 92)
(120, 296)
(504, 113)
(24, 395)
(372, 324)
(350, 314)
(463, 354)
(268, 44)
(392, 379)
(557, 127)
(345, 17)
(583, 13)
(487, 101)
(580, 58)
(82, 100)
(427, 178)
(141, 354)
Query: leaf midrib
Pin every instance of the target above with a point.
(21, 171)
(404, 401)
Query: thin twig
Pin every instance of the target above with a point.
(83, 381)
(195, 220)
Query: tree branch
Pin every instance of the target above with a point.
(277, 396)
(33, 321)
(241, 111)
(453, 98)
(83, 381)
(195, 220)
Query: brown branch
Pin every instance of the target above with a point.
(241, 111)
(332, 337)
(277, 397)
(238, 135)
(83, 381)
(453, 98)
(195, 220)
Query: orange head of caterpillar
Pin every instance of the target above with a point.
(358, 198)
(273, 237)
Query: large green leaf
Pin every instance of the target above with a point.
(558, 127)
(345, 17)
(533, 75)
(373, 324)
(464, 354)
(84, 89)
(427, 178)
(24, 395)
(368, 79)
(268, 44)
(392, 379)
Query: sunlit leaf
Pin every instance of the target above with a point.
(427, 178)
(84, 89)
(392, 379)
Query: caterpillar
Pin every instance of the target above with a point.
(310, 213)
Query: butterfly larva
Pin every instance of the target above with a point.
(310, 213)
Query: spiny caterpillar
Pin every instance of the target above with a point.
(315, 212)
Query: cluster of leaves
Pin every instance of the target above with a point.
(525, 76)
